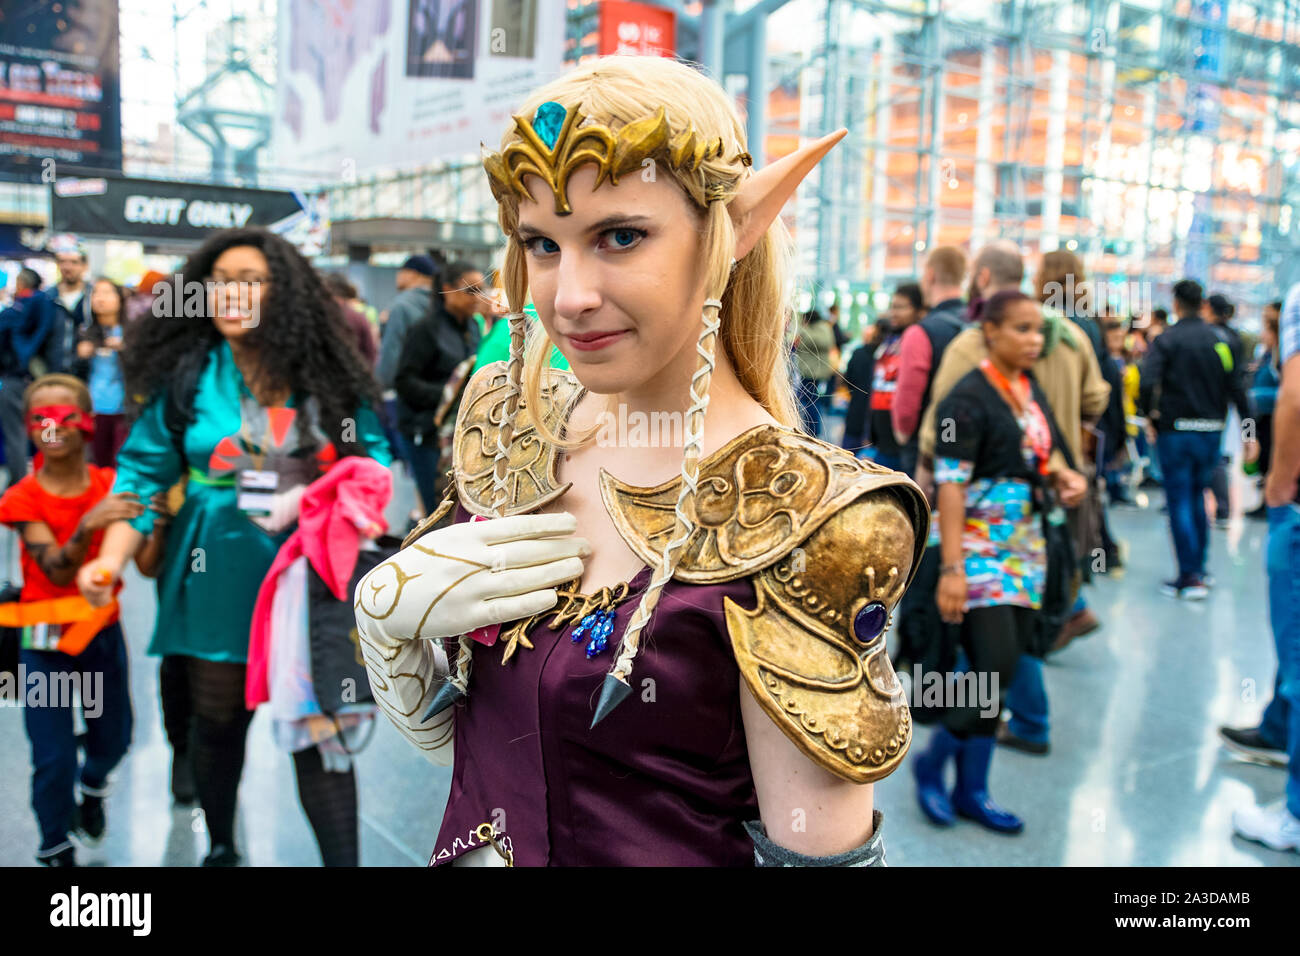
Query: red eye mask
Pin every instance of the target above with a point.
(70, 416)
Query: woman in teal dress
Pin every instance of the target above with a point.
(247, 383)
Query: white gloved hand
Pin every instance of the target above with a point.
(469, 575)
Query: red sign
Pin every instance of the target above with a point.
(638, 28)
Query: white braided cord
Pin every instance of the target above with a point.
(683, 527)
(500, 469)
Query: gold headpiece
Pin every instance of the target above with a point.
(555, 144)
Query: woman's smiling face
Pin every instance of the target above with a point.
(617, 282)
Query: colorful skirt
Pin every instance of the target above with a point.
(1005, 554)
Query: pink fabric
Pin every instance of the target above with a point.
(338, 509)
(914, 359)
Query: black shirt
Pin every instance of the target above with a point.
(433, 347)
(1190, 373)
(974, 423)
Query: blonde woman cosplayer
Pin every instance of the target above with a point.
(701, 677)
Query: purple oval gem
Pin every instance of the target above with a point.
(870, 622)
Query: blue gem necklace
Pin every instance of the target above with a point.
(597, 622)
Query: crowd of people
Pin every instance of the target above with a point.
(243, 462)
(145, 428)
(1026, 419)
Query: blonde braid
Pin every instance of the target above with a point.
(459, 680)
(617, 686)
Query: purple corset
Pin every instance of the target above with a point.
(663, 781)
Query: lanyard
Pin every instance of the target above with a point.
(1029, 415)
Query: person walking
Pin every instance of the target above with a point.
(60, 513)
(922, 346)
(990, 470)
(99, 364)
(1218, 312)
(1189, 377)
(71, 300)
(252, 401)
(436, 361)
(1068, 373)
(906, 308)
(1278, 825)
(1265, 377)
(414, 301)
(25, 325)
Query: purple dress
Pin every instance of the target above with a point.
(664, 780)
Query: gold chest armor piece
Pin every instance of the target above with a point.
(828, 540)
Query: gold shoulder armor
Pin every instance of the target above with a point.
(831, 544)
(533, 478)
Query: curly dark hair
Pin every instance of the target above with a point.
(303, 342)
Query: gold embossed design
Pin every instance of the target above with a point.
(760, 495)
(534, 465)
(613, 154)
(838, 700)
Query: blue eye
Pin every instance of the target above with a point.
(541, 245)
(625, 238)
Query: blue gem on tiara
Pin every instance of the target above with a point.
(548, 121)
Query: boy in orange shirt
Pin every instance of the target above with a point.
(60, 511)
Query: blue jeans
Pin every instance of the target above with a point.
(1027, 700)
(424, 458)
(1148, 451)
(396, 440)
(1272, 726)
(1188, 460)
(102, 667)
(1284, 614)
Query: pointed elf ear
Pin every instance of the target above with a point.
(761, 197)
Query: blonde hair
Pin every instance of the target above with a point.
(614, 91)
(747, 304)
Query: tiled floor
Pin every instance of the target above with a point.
(1136, 775)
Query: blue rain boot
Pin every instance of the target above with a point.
(971, 797)
(927, 767)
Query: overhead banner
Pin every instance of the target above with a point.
(155, 209)
(59, 79)
(393, 83)
(636, 28)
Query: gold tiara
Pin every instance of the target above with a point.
(555, 143)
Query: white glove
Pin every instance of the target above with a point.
(449, 582)
(470, 575)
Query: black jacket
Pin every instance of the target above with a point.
(862, 363)
(1189, 375)
(432, 349)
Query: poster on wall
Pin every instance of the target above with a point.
(399, 83)
(636, 28)
(59, 87)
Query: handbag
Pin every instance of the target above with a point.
(1058, 586)
(338, 671)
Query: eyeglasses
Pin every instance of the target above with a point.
(239, 280)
